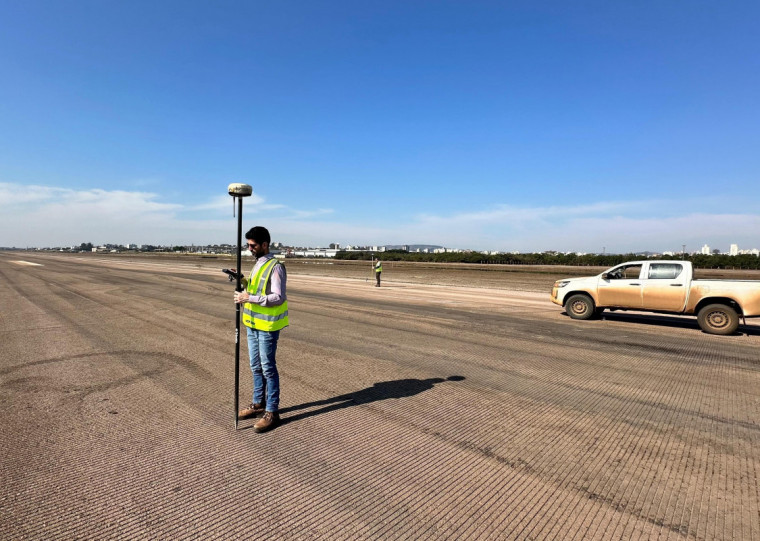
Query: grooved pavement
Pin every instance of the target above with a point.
(411, 412)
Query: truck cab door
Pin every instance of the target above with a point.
(621, 288)
(665, 287)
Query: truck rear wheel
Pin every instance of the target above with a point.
(580, 307)
(718, 319)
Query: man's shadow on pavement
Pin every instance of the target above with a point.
(383, 390)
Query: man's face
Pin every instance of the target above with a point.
(258, 249)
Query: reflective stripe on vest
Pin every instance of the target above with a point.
(264, 318)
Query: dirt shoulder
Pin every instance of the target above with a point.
(531, 278)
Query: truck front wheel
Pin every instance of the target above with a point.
(718, 319)
(580, 307)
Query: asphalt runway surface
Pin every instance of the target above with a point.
(410, 411)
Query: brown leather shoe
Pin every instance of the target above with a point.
(253, 410)
(269, 421)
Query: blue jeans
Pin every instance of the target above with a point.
(262, 347)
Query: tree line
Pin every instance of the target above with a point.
(717, 261)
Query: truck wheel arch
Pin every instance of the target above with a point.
(580, 292)
(718, 300)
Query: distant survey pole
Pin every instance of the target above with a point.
(238, 192)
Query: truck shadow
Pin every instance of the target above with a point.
(384, 390)
(660, 320)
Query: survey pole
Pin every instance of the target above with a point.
(238, 192)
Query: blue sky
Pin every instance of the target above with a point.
(525, 126)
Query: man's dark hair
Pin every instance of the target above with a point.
(259, 234)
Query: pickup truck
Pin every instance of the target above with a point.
(662, 287)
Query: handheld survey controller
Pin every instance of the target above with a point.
(232, 275)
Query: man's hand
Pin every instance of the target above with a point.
(241, 296)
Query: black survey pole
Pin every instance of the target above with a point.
(237, 308)
(238, 191)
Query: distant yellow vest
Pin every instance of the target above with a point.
(264, 318)
(379, 268)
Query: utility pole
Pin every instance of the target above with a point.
(683, 252)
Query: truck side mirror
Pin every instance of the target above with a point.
(605, 276)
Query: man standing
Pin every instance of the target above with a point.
(265, 313)
(378, 272)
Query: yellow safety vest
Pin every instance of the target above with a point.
(264, 318)
(379, 268)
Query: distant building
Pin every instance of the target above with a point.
(753, 251)
(706, 250)
(734, 250)
(315, 252)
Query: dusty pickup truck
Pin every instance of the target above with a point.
(663, 287)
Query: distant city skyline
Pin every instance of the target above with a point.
(302, 249)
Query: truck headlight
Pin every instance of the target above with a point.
(561, 283)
